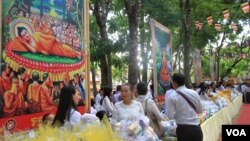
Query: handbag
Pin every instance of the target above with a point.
(154, 123)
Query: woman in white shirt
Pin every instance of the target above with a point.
(107, 106)
(67, 107)
(127, 109)
(150, 109)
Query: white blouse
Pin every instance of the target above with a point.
(107, 105)
(127, 112)
(75, 117)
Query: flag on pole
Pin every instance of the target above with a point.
(232, 55)
(217, 27)
(244, 55)
(197, 24)
(210, 20)
(225, 56)
(247, 43)
(245, 7)
(200, 26)
(234, 26)
(226, 14)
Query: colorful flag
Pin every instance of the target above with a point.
(162, 57)
(232, 55)
(200, 26)
(226, 14)
(217, 27)
(245, 7)
(210, 20)
(244, 55)
(234, 26)
(247, 43)
(197, 24)
(225, 56)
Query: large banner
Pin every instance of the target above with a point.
(197, 66)
(162, 56)
(43, 48)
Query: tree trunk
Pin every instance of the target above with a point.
(101, 9)
(217, 66)
(109, 66)
(144, 49)
(218, 57)
(132, 9)
(104, 71)
(94, 82)
(186, 25)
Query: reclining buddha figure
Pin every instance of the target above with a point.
(41, 43)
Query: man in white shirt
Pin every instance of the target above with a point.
(183, 106)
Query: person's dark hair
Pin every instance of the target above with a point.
(44, 117)
(101, 114)
(142, 88)
(131, 87)
(45, 76)
(106, 92)
(13, 78)
(151, 87)
(35, 76)
(92, 102)
(118, 87)
(21, 70)
(65, 105)
(171, 85)
(3, 67)
(179, 79)
(203, 87)
(20, 29)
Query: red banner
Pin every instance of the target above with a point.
(25, 122)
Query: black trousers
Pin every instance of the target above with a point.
(189, 133)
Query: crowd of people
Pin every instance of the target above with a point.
(130, 107)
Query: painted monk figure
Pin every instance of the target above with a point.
(14, 101)
(47, 95)
(33, 94)
(164, 72)
(41, 43)
(5, 83)
(23, 79)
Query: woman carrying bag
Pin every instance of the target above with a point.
(150, 109)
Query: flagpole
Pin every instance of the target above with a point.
(1, 44)
(87, 56)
